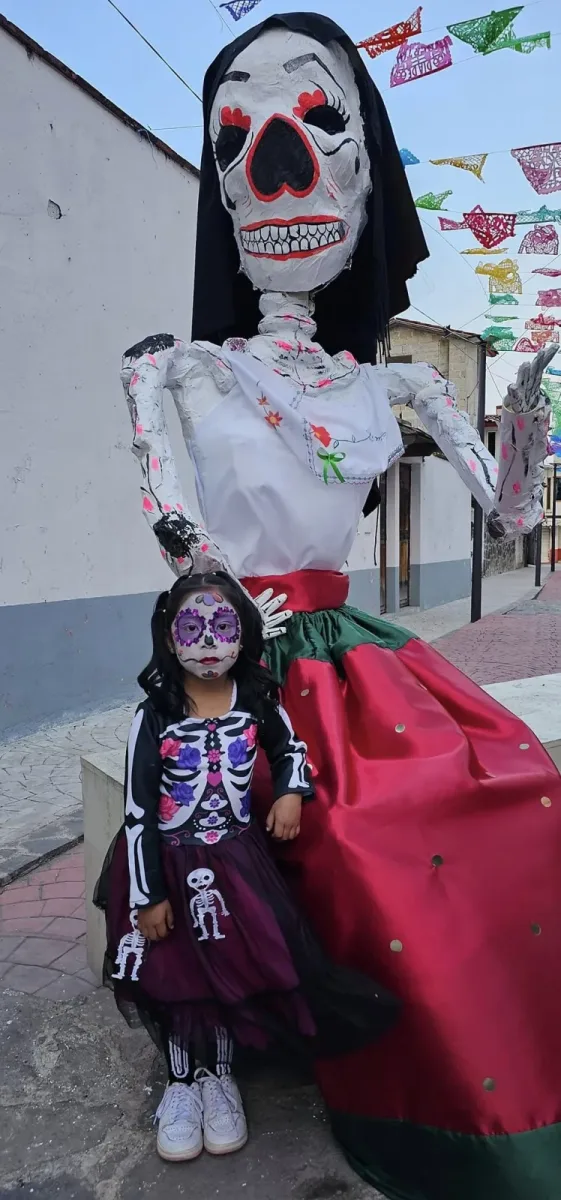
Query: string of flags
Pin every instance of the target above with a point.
(395, 35)
(240, 8)
(542, 239)
(416, 60)
(486, 35)
(541, 165)
(432, 200)
(465, 162)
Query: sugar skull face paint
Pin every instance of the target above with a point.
(289, 145)
(206, 635)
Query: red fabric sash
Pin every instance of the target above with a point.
(306, 591)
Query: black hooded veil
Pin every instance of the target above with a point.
(353, 311)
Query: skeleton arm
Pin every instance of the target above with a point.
(514, 507)
(219, 897)
(143, 770)
(286, 754)
(160, 362)
(148, 368)
(193, 911)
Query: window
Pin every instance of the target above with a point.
(405, 358)
(492, 443)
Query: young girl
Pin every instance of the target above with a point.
(204, 942)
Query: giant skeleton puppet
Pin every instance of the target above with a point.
(432, 848)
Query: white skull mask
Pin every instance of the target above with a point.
(289, 144)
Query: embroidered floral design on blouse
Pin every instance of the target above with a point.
(273, 418)
(330, 456)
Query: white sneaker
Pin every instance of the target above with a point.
(180, 1123)
(224, 1123)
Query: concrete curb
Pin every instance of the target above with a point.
(40, 846)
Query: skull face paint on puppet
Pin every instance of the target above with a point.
(290, 152)
(206, 635)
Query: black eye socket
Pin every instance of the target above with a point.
(229, 143)
(325, 117)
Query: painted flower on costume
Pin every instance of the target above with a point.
(189, 758)
(250, 736)
(183, 793)
(170, 748)
(245, 805)
(237, 752)
(214, 756)
(167, 808)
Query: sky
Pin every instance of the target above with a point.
(481, 104)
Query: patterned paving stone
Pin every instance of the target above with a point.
(42, 941)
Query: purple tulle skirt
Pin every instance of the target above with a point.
(239, 957)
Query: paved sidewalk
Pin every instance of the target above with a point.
(40, 789)
(43, 931)
(499, 592)
(79, 1088)
(521, 643)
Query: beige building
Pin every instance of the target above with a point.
(422, 559)
(453, 353)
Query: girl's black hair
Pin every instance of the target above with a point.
(163, 679)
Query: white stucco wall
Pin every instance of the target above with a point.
(75, 293)
(445, 507)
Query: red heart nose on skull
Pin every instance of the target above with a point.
(281, 160)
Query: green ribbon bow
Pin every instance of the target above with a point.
(330, 459)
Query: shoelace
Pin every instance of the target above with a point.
(178, 1103)
(224, 1104)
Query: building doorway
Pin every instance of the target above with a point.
(404, 534)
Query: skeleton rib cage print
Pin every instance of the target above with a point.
(189, 782)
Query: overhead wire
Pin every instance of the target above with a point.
(155, 50)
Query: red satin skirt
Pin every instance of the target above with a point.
(430, 859)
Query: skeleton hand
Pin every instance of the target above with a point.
(273, 620)
(523, 448)
(523, 396)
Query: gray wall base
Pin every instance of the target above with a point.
(365, 590)
(69, 657)
(439, 583)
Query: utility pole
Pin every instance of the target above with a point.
(554, 517)
(538, 554)
(477, 552)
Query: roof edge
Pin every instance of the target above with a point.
(447, 330)
(34, 50)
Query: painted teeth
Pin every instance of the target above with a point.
(298, 238)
